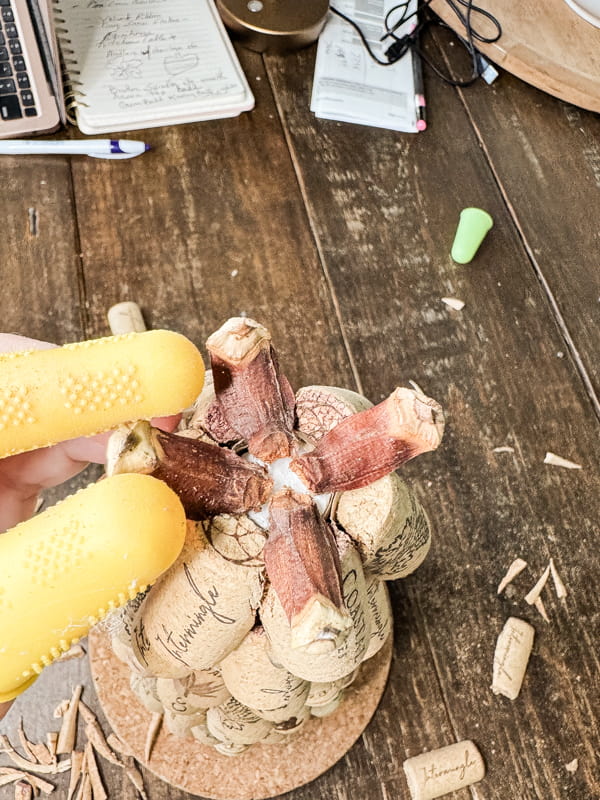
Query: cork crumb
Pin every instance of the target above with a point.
(454, 303)
(558, 461)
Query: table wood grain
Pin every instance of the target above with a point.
(338, 238)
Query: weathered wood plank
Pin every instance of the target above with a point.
(546, 158)
(38, 249)
(384, 209)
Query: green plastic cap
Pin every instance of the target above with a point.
(473, 225)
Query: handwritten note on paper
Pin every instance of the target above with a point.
(135, 58)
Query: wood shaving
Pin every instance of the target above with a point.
(118, 746)
(517, 566)
(572, 766)
(14, 774)
(533, 595)
(68, 729)
(135, 777)
(76, 651)
(454, 303)
(152, 734)
(539, 604)
(559, 587)
(8, 778)
(25, 743)
(417, 388)
(61, 709)
(558, 461)
(42, 753)
(19, 761)
(52, 743)
(98, 790)
(85, 788)
(77, 764)
(23, 791)
(95, 734)
(503, 449)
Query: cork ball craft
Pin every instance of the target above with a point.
(297, 517)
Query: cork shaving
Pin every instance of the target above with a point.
(454, 303)
(23, 791)
(517, 566)
(417, 388)
(533, 595)
(76, 651)
(558, 461)
(9, 775)
(572, 766)
(539, 604)
(152, 734)
(85, 780)
(559, 587)
(503, 449)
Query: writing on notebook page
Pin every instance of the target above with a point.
(146, 53)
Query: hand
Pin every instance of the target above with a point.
(24, 476)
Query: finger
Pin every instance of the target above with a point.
(13, 343)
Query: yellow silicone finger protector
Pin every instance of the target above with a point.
(47, 396)
(65, 569)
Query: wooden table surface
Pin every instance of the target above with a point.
(338, 238)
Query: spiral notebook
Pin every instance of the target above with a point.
(132, 64)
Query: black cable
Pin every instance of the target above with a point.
(358, 29)
(402, 44)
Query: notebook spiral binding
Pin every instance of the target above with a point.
(73, 95)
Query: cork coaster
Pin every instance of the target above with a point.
(260, 772)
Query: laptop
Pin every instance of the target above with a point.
(31, 98)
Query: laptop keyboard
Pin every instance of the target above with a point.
(16, 97)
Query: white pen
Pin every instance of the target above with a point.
(97, 148)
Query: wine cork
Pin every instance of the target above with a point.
(445, 770)
(144, 689)
(237, 539)
(327, 665)
(274, 737)
(388, 525)
(121, 623)
(234, 723)
(321, 694)
(380, 611)
(230, 749)
(198, 612)
(328, 708)
(292, 726)
(196, 692)
(511, 656)
(126, 317)
(321, 408)
(271, 692)
(203, 735)
(182, 724)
